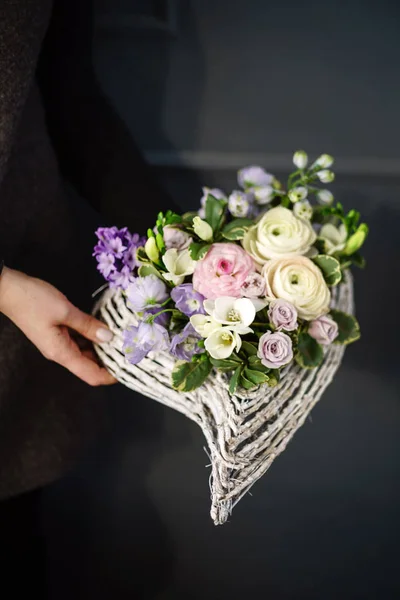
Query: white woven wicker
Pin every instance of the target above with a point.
(245, 432)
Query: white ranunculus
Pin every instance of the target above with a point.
(238, 313)
(222, 342)
(278, 234)
(179, 265)
(204, 324)
(334, 237)
(299, 281)
(202, 229)
(303, 210)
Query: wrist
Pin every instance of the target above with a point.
(5, 286)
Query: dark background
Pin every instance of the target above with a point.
(206, 87)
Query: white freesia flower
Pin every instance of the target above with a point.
(303, 210)
(326, 176)
(278, 234)
(222, 342)
(204, 324)
(238, 313)
(324, 197)
(300, 159)
(202, 229)
(299, 281)
(179, 265)
(334, 237)
(298, 193)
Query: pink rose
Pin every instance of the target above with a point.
(324, 330)
(222, 271)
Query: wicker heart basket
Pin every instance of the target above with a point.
(244, 432)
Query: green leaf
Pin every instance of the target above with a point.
(349, 329)
(246, 383)
(309, 352)
(234, 382)
(172, 218)
(226, 363)
(274, 377)
(236, 229)
(256, 377)
(198, 250)
(187, 376)
(142, 256)
(215, 211)
(330, 268)
(250, 349)
(145, 270)
(358, 260)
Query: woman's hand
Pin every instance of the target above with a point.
(48, 320)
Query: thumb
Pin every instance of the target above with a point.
(89, 327)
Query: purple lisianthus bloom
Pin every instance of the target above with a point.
(146, 292)
(283, 315)
(275, 349)
(147, 337)
(324, 330)
(161, 319)
(115, 252)
(176, 238)
(187, 300)
(184, 345)
(253, 286)
(254, 176)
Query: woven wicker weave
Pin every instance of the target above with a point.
(245, 432)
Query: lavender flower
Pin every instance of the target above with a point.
(240, 204)
(216, 192)
(324, 330)
(283, 315)
(187, 300)
(254, 176)
(275, 349)
(184, 345)
(139, 341)
(161, 319)
(146, 292)
(115, 253)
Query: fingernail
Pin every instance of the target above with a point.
(104, 335)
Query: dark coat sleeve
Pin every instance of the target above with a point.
(95, 150)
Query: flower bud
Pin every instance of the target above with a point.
(202, 229)
(300, 159)
(356, 240)
(297, 193)
(303, 210)
(324, 161)
(326, 176)
(324, 197)
(151, 249)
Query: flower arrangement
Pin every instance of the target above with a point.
(243, 285)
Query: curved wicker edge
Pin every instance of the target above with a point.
(246, 432)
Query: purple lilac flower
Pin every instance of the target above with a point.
(184, 345)
(275, 349)
(115, 253)
(187, 300)
(146, 292)
(147, 337)
(283, 315)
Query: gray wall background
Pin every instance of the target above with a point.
(228, 83)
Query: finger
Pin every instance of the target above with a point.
(66, 353)
(89, 371)
(89, 327)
